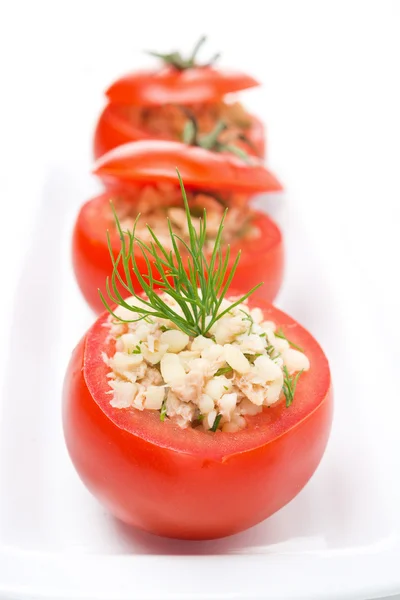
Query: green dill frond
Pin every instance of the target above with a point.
(197, 283)
(216, 423)
(289, 385)
(282, 336)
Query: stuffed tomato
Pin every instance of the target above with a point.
(190, 482)
(141, 178)
(152, 104)
(190, 411)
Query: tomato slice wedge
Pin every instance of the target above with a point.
(187, 483)
(157, 160)
(169, 85)
(262, 258)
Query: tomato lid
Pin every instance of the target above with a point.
(180, 80)
(169, 85)
(157, 161)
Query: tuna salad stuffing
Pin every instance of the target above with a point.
(211, 382)
(155, 203)
(169, 120)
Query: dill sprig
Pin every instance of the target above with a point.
(136, 350)
(282, 336)
(211, 140)
(248, 317)
(163, 411)
(198, 284)
(252, 357)
(289, 385)
(216, 423)
(223, 371)
(272, 352)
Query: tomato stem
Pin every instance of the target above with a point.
(176, 60)
(196, 49)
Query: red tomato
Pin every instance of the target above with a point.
(189, 88)
(186, 483)
(261, 258)
(154, 160)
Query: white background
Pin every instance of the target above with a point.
(331, 98)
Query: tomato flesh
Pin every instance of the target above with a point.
(186, 483)
(262, 258)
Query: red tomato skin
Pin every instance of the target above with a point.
(156, 87)
(149, 161)
(259, 261)
(182, 494)
(112, 131)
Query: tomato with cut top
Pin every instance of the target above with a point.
(189, 483)
(152, 104)
(141, 178)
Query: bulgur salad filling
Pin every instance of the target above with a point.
(210, 382)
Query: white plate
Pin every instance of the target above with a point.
(338, 539)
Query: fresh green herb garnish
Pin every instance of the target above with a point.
(136, 350)
(163, 328)
(282, 336)
(176, 60)
(211, 140)
(216, 423)
(222, 371)
(289, 385)
(248, 317)
(252, 357)
(200, 417)
(263, 334)
(163, 412)
(226, 388)
(198, 291)
(271, 352)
